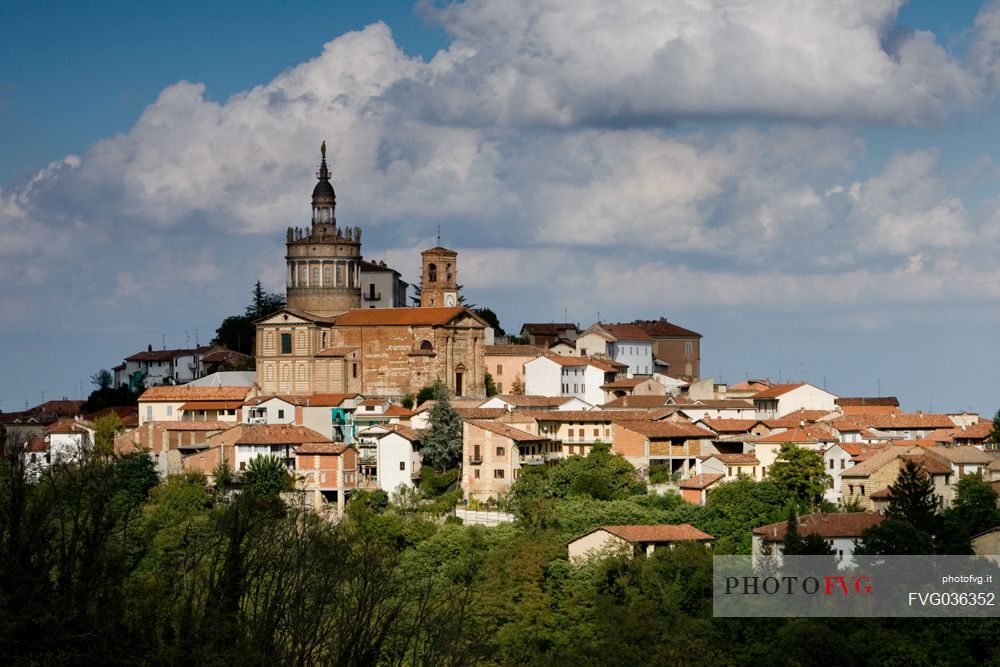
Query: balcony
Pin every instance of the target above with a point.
(475, 459)
(366, 459)
(256, 420)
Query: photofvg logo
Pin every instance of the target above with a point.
(920, 586)
(792, 585)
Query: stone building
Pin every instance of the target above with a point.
(324, 341)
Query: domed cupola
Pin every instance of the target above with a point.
(324, 200)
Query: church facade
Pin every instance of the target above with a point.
(325, 342)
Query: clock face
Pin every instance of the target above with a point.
(450, 300)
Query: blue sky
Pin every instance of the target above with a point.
(811, 185)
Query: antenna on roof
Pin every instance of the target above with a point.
(163, 341)
(439, 235)
(187, 339)
(196, 338)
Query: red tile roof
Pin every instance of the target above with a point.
(736, 459)
(512, 350)
(336, 352)
(515, 434)
(894, 421)
(658, 533)
(778, 390)
(666, 429)
(702, 481)
(212, 405)
(329, 400)
(661, 328)
(624, 383)
(626, 332)
(599, 415)
(730, 425)
(189, 393)
(374, 317)
(329, 448)
(809, 434)
(280, 434)
(867, 401)
(826, 525)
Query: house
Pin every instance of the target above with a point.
(868, 405)
(781, 399)
(839, 530)
(326, 472)
(674, 347)
(596, 340)
(506, 364)
(65, 441)
(837, 458)
(813, 438)
(963, 459)
(894, 425)
(695, 489)
(23, 426)
(514, 402)
(388, 456)
(676, 445)
(867, 482)
(155, 367)
(493, 454)
(636, 386)
(582, 377)
(633, 540)
(730, 466)
(631, 345)
(644, 402)
(277, 440)
(563, 346)
(187, 403)
(721, 408)
(735, 428)
(169, 442)
(382, 286)
(578, 431)
(543, 334)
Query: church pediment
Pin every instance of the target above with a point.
(286, 316)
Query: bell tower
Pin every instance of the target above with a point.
(439, 288)
(324, 260)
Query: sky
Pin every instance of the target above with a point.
(812, 185)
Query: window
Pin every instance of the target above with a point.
(426, 346)
(842, 462)
(402, 465)
(354, 370)
(831, 464)
(281, 414)
(286, 343)
(149, 413)
(432, 273)
(500, 451)
(499, 369)
(850, 489)
(597, 432)
(475, 473)
(498, 473)
(730, 471)
(862, 489)
(170, 411)
(688, 349)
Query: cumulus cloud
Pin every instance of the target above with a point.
(610, 62)
(196, 194)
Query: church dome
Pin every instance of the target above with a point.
(323, 194)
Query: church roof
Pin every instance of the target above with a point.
(438, 250)
(374, 317)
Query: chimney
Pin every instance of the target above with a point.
(149, 348)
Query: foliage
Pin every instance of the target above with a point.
(427, 393)
(442, 440)
(106, 428)
(894, 537)
(809, 545)
(800, 474)
(491, 319)
(108, 397)
(102, 379)
(993, 440)
(912, 498)
(736, 507)
(491, 386)
(237, 332)
(407, 401)
(376, 500)
(973, 511)
(266, 476)
(517, 386)
(659, 473)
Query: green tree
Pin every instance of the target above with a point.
(266, 476)
(442, 441)
(976, 504)
(600, 474)
(102, 379)
(894, 537)
(912, 498)
(106, 428)
(808, 545)
(491, 386)
(517, 386)
(427, 393)
(491, 319)
(237, 332)
(993, 440)
(799, 472)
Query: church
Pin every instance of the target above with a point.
(325, 342)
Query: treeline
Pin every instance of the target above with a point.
(103, 565)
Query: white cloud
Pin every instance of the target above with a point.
(598, 62)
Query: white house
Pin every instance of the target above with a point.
(839, 529)
(187, 403)
(781, 399)
(269, 410)
(631, 346)
(397, 457)
(511, 403)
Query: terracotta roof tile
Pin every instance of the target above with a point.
(826, 525)
(702, 481)
(894, 422)
(336, 352)
(737, 459)
(778, 390)
(808, 434)
(666, 429)
(730, 425)
(515, 434)
(330, 448)
(658, 533)
(869, 401)
(599, 415)
(636, 402)
(374, 317)
(661, 328)
(280, 434)
(188, 393)
(512, 351)
(626, 332)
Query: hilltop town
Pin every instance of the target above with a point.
(346, 381)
